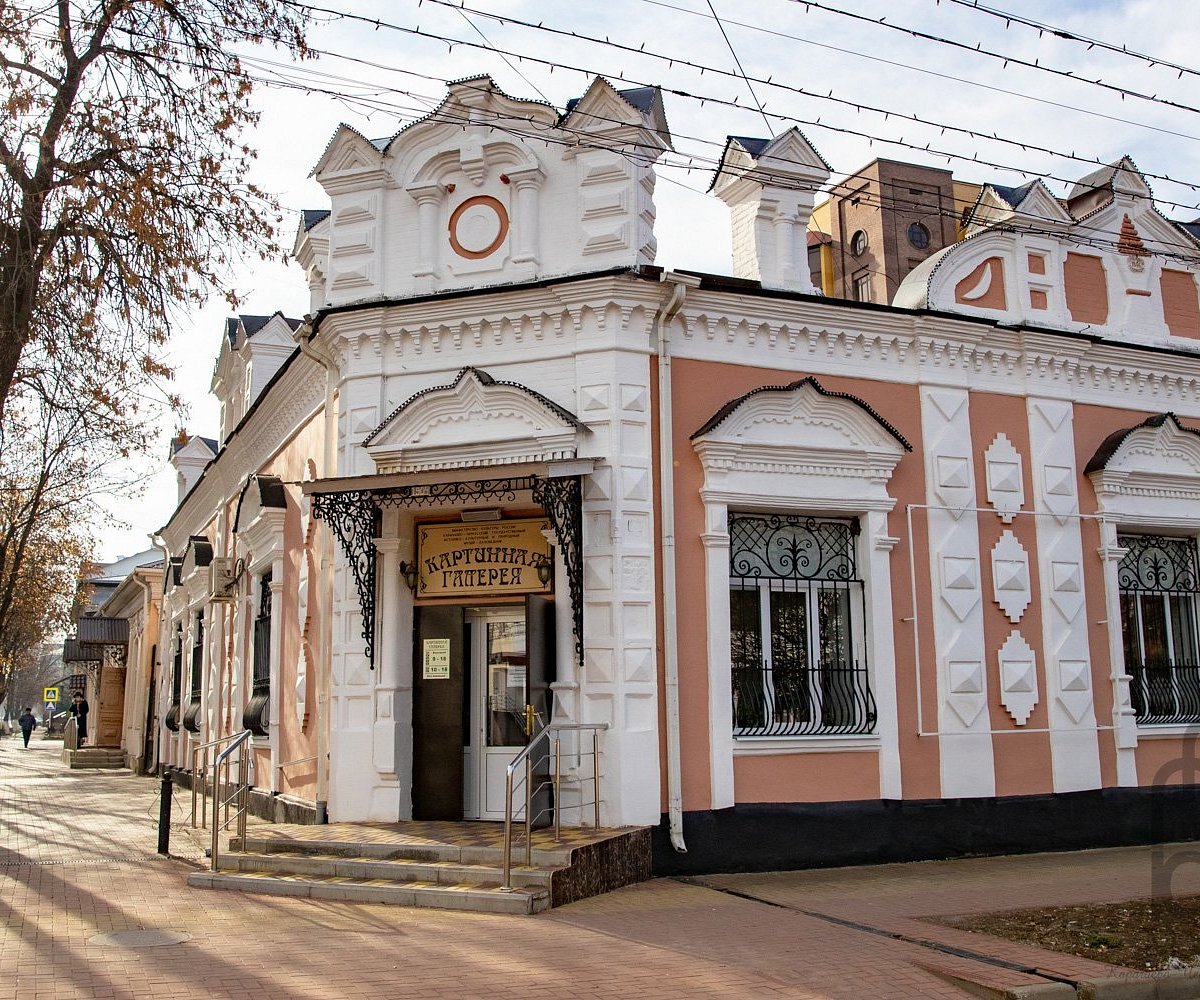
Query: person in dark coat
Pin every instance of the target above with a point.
(27, 723)
(79, 711)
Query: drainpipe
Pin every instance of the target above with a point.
(303, 337)
(679, 284)
(157, 541)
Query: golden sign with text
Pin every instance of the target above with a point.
(492, 557)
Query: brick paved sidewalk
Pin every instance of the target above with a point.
(77, 860)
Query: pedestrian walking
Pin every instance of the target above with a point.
(28, 724)
(79, 711)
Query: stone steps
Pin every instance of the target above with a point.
(104, 758)
(445, 865)
(394, 869)
(474, 896)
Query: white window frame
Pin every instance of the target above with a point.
(775, 452)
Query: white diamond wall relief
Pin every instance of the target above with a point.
(1018, 677)
(1005, 478)
(1010, 576)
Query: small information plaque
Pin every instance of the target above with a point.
(435, 659)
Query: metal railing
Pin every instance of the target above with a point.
(200, 775)
(547, 786)
(240, 793)
(1164, 693)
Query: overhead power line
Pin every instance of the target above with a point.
(927, 148)
(1073, 36)
(926, 71)
(979, 50)
(1082, 234)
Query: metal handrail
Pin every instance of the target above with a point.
(239, 793)
(298, 760)
(198, 777)
(526, 757)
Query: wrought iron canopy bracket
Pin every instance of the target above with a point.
(562, 500)
(352, 517)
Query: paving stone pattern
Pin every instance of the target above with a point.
(77, 861)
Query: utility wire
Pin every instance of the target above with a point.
(370, 100)
(830, 97)
(978, 49)
(872, 138)
(928, 72)
(1103, 240)
(741, 69)
(1073, 36)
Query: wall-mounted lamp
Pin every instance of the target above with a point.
(408, 573)
(544, 572)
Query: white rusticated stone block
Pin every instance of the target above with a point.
(1010, 576)
(1005, 478)
(1018, 677)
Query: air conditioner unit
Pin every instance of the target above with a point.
(221, 581)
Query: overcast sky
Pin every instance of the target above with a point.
(788, 42)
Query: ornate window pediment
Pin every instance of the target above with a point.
(1150, 473)
(789, 441)
(474, 421)
(259, 521)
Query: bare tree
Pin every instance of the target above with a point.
(123, 177)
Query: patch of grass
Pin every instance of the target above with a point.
(1139, 934)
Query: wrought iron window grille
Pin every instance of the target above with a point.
(172, 719)
(191, 718)
(797, 608)
(257, 715)
(1159, 582)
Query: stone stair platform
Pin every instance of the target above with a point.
(105, 758)
(444, 865)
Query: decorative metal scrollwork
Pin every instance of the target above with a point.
(493, 491)
(352, 516)
(1159, 565)
(791, 547)
(562, 500)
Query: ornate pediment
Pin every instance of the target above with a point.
(474, 421)
(1149, 473)
(796, 441)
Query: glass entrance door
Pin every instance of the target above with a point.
(501, 715)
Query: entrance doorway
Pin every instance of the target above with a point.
(502, 717)
(476, 705)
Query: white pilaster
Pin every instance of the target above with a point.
(965, 741)
(1074, 746)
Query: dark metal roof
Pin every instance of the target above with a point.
(202, 548)
(252, 324)
(95, 630)
(1013, 195)
(182, 442)
(1191, 228)
(271, 493)
(484, 379)
(75, 652)
(1108, 447)
(752, 146)
(725, 411)
(311, 216)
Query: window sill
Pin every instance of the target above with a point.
(1168, 731)
(752, 746)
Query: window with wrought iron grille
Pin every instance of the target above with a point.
(796, 615)
(172, 719)
(191, 718)
(1159, 581)
(257, 715)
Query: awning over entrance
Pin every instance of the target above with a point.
(352, 506)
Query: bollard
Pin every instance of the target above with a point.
(164, 814)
